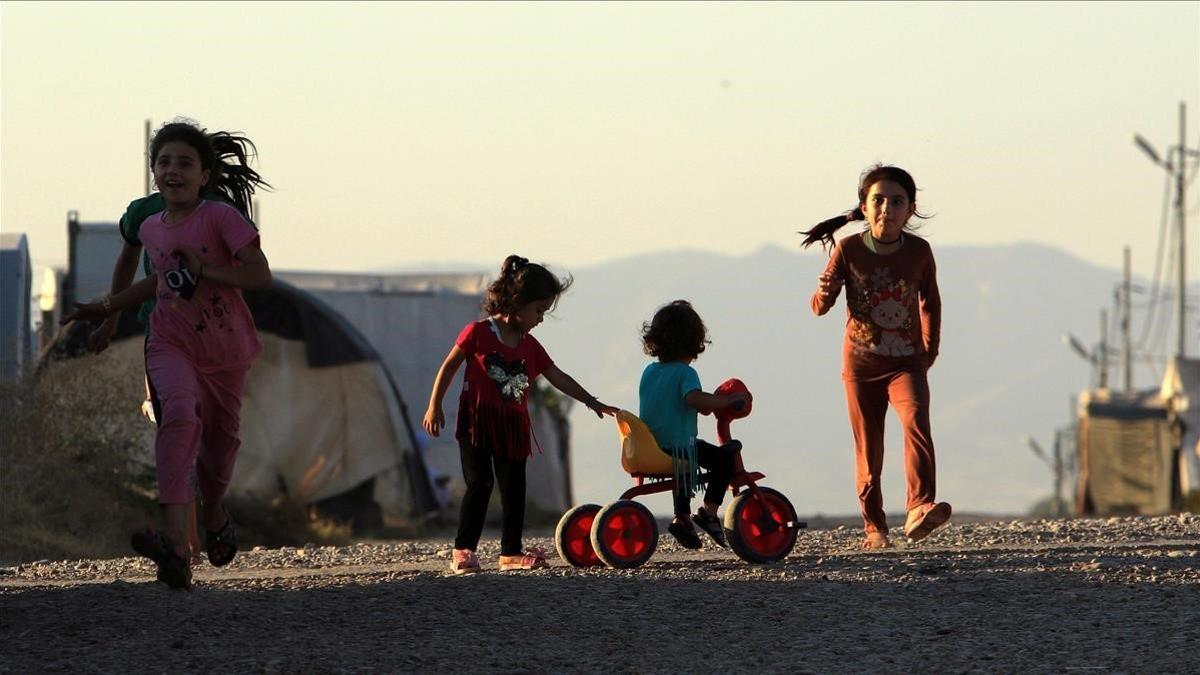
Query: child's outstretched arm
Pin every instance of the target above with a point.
(434, 418)
(124, 270)
(567, 385)
(112, 305)
(706, 403)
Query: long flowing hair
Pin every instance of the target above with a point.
(225, 154)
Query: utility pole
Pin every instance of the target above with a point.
(146, 160)
(1058, 475)
(1126, 345)
(1180, 210)
(1102, 350)
(1175, 164)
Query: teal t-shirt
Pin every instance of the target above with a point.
(138, 211)
(662, 408)
(135, 214)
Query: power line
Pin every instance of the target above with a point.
(1156, 286)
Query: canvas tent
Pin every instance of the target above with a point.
(16, 325)
(1126, 453)
(321, 415)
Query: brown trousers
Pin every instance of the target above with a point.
(867, 403)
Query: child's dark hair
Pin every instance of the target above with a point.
(676, 332)
(520, 283)
(225, 154)
(824, 230)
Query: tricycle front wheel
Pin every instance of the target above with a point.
(761, 529)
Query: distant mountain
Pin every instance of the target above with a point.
(1003, 372)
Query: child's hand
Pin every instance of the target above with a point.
(601, 409)
(737, 401)
(189, 258)
(434, 421)
(829, 284)
(86, 311)
(101, 337)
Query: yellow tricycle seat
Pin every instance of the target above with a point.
(640, 454)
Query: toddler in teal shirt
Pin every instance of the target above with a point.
(669, 396)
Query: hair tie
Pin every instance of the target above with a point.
(518, 263)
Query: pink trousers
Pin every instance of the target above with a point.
(198, 419)
(867, 403)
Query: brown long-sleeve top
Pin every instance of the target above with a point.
(893, 309)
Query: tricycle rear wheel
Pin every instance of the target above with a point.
(573, 536)
(624, 534)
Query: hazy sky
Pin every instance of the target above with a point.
(403, 134)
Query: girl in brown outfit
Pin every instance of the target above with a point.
(893, 326)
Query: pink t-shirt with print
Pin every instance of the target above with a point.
(207, 321)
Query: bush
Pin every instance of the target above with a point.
(75, 473)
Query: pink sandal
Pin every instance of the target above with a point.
(533, 558)
(464, 561)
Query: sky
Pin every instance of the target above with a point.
(421, 135)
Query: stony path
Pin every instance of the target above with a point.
(1114, 595)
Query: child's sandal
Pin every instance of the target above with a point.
(533, 558)
(222, 545)
(464, 561)
(174, 570)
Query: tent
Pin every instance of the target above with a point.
(321, 415)
(16, 325)
(1126, 453)
(1181, 389)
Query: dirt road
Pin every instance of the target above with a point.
(1115, 595)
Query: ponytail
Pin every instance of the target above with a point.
(824, 230)
(521, 282)
(512, 264)
(233, 179)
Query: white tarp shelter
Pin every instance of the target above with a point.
(1181, 388)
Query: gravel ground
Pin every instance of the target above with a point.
(1106, 595)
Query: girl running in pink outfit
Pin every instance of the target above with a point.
(503, 361)
(202, 342)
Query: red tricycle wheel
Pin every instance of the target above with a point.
(573, 536)
(763, 529)
(624, 534)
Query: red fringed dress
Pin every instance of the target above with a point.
(493, 410)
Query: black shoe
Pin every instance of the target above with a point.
(710, 524)
(222, 545)
(174, 570)
(685, 534)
